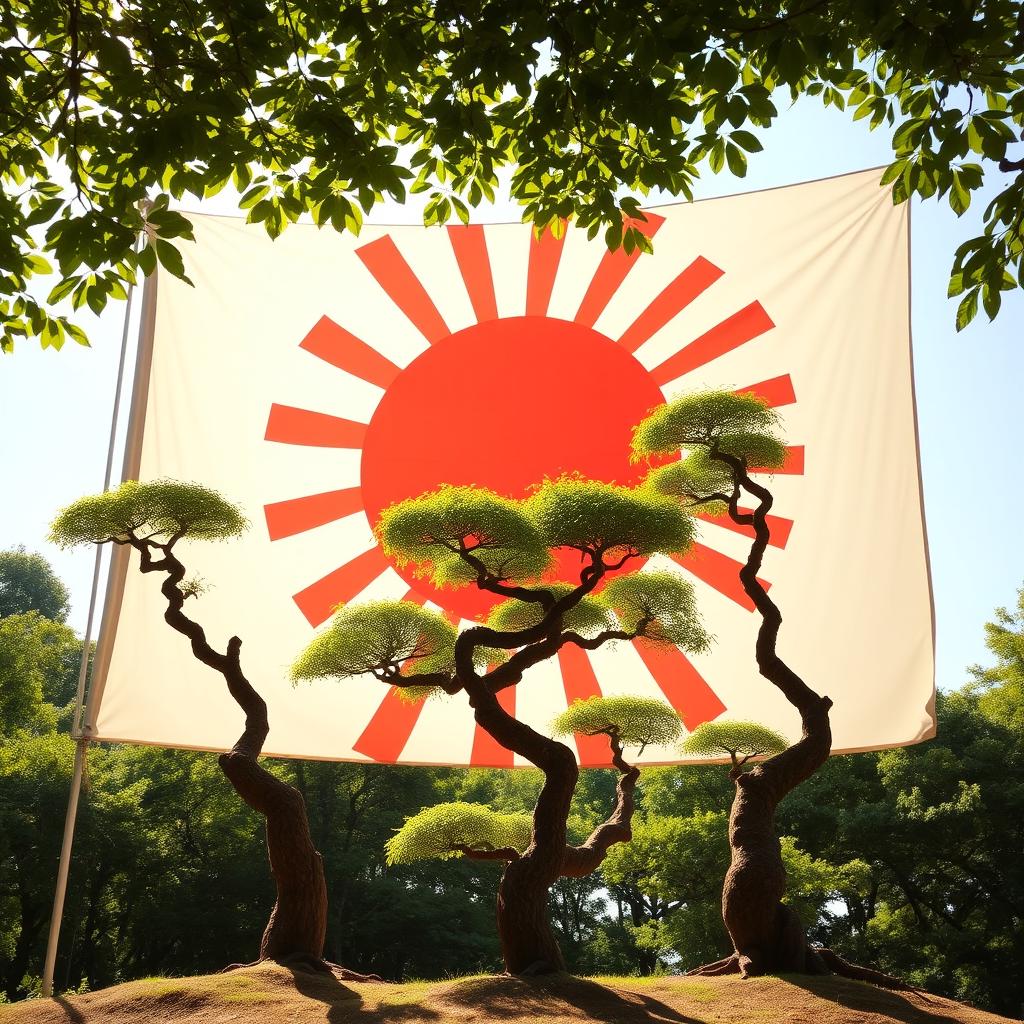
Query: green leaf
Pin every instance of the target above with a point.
(170, 259)
(959, 197)
(737, 161)
(147, 259)
(967, 310)
(747, 141)
(991, 299)
(716, 158)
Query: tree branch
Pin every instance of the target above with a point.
(505, 853)
(582, 860)
(250, 743)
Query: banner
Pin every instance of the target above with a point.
(318, 378)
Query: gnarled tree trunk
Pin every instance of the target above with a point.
(528, 943)
(767, 936)
(298, 922)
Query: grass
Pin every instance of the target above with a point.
(268, 993)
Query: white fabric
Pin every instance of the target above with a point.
(827, 261)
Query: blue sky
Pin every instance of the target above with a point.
(55, 407)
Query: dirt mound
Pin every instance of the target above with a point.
(269, 993)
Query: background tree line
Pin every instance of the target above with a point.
(908, 859)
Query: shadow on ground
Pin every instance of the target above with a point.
(559, 996)
(910, 1008)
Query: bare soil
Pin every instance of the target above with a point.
(267, 993)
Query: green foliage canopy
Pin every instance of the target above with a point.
(742, 425)
(659, 604)
(588, 617)
(1001, 686)
(164, 510)
(635, 721)
(28, 583)
(38, 660)
(435, 529)
(438, 831)
(603, 518)
(386, 638)
(737, 739)
(324, 109)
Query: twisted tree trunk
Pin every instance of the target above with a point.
(298, 922)
(528, 943)
(768, 937)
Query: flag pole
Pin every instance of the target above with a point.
(79, 735)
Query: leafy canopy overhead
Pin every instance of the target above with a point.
(163, 510)
(440, 830)
(385, 637)
(323, 109)
(634, 721)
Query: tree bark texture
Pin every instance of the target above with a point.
(528, 942)
(298, 922)
(767, 936)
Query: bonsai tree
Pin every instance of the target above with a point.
(721, 437)
(468, 536)
(739, 741)
(471, 830)
(153, 518)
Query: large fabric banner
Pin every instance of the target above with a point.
(318, 378)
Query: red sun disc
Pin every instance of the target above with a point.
(503, 404)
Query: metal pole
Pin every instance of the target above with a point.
(81, 740)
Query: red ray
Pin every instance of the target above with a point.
(469, 244)
(793, 466)
(677, 295)
(684, 687)
(777, 391)
(296, 515)
(611, 272)
(780, 528)
(319, 599)
(289, 425)
(388, 731)
(718, 571)
(545, 252)
(736, 330)
(580, 682)
(487, 751)
(397, 278)
(333, 344)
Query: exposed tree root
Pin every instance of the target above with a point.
(730, 965)
(837, 965)
(820, 957)
(309, 963)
